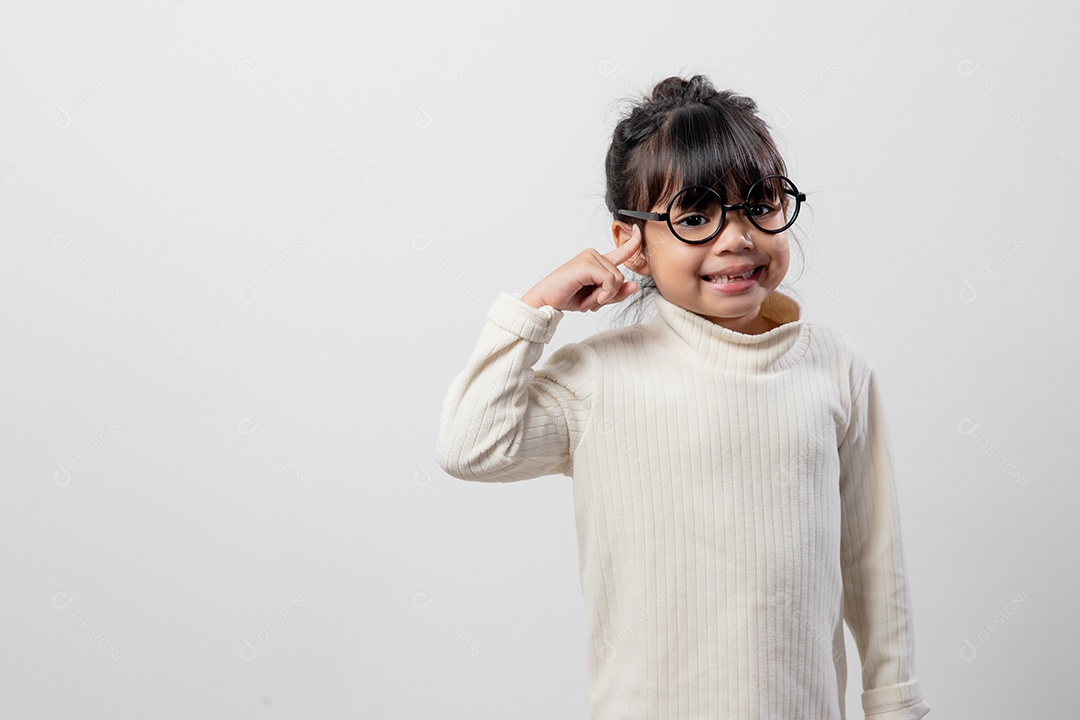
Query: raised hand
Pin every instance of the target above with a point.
(589, 281)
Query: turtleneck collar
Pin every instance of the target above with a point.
(724, 350)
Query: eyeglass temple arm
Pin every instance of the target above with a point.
(643, 215)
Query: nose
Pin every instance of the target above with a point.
(735, 235)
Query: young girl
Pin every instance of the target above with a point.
(733, 489)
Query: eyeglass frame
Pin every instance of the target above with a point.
(800, 198)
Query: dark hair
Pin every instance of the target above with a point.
(685, 133)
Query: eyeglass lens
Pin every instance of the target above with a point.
(696, 213)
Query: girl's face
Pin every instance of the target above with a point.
(680, 270)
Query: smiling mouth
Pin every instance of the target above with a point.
(732, 278)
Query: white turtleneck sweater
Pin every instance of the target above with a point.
(734, 503)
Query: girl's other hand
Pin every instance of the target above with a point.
(589, 281)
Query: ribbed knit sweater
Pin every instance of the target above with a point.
(734, 503)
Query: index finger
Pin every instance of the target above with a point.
(628, 249)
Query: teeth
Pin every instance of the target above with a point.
(729, 278)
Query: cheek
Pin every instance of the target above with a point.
(780, 243)
(779, 254)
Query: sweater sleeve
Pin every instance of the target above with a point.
(501, 420)
(877, 604)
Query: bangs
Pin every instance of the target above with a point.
(704, 145)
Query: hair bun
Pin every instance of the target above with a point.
(676, 88)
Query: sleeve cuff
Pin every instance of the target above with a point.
(896, 702)
(514, 315)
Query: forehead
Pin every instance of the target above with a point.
(767, 187)
(701, 146)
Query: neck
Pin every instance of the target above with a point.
(749, 325)
(774, 340)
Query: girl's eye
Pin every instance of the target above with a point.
(693, 221)
(761, 209)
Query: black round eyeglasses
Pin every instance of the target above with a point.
(696, 214)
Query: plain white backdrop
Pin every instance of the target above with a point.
(246, 248)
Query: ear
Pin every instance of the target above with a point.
(621, 231)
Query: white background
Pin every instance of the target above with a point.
(246, 247)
